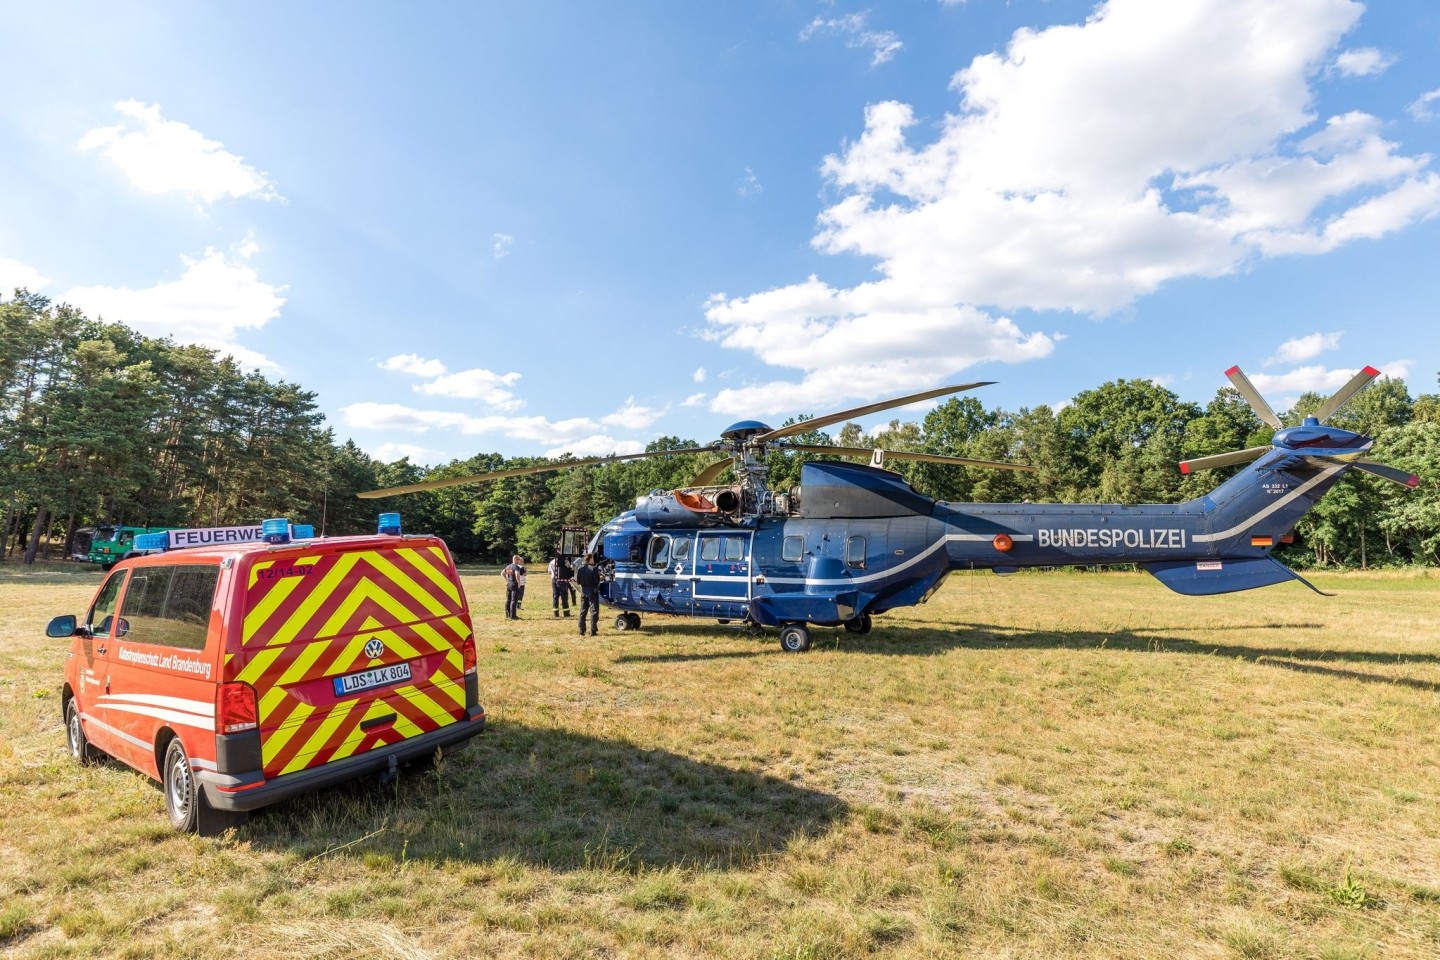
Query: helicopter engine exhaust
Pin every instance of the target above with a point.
(728, 501)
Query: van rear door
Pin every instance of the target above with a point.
(350, 647)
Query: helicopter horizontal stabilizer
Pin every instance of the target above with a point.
(1203, 578)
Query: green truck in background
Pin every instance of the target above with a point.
(107, 545)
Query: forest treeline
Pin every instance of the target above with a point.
(99, 424)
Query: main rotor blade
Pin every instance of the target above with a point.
(1385, 472)
(906, 455)
(1222, 459)
(523, 471)
(1252, 397)
(817, 422)
(707, 476)
(1351, 388)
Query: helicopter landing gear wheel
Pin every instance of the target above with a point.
(860, 624)
(627, 621)
(794, 638)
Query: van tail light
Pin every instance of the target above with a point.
(235, 708)
(467, 654)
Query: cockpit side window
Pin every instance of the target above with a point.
(659, 552)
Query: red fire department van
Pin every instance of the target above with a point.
(241, 674)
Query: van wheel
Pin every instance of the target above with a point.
(185, 802)
(794, 638)
(75, 737)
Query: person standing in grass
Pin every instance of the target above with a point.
(587, 577)
(514, 575)
(560, 574)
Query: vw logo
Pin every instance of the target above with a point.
(374, 648)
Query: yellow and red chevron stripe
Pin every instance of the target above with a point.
(309, 619)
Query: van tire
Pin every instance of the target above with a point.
(185, 802)
(75, 738)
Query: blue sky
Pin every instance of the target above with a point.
(554, 226)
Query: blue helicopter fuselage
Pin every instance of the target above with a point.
(856, 540)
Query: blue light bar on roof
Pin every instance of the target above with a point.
(276, 530)
(389, 524)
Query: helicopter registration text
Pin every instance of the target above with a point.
(1168, 539)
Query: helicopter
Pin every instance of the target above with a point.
(852, 541)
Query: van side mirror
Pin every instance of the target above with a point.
(61, 626)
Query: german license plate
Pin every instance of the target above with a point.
(370, 679)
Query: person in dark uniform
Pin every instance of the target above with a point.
(560, 587)
(514, 575)
(587, 578)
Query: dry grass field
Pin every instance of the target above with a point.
(1041, 765)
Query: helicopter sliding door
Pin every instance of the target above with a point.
(721, 573)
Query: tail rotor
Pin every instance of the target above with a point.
(1311, 440)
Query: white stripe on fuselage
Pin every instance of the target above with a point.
(843, 581)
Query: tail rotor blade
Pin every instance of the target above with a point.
(1357, 382)
(1252, 397)
(1222, 459)
(1394, 475)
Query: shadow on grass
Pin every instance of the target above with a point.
(557, 800)
(922, 641)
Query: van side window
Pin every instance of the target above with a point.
(855, 552)
(660, 553)
(102, 614)
(793, 549)
(170, 606)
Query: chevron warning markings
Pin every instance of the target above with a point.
(309, 619)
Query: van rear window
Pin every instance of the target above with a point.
(169, 606)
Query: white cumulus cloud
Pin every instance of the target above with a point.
(15, 275)
(492, 389)
(166, 156)
(1083, 167)
(400, 418)
(1300, 349)
(632, 416)
(413, 364)
(1363, 62)
(214, 299)
(501, 246)
(1420, 108)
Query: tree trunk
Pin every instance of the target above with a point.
(40, 516)
(1362, 547)
(69, 537)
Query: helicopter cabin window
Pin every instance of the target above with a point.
(793, 549)
(680, 550)
(659, 552)
(722, 549)
(855, 552)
